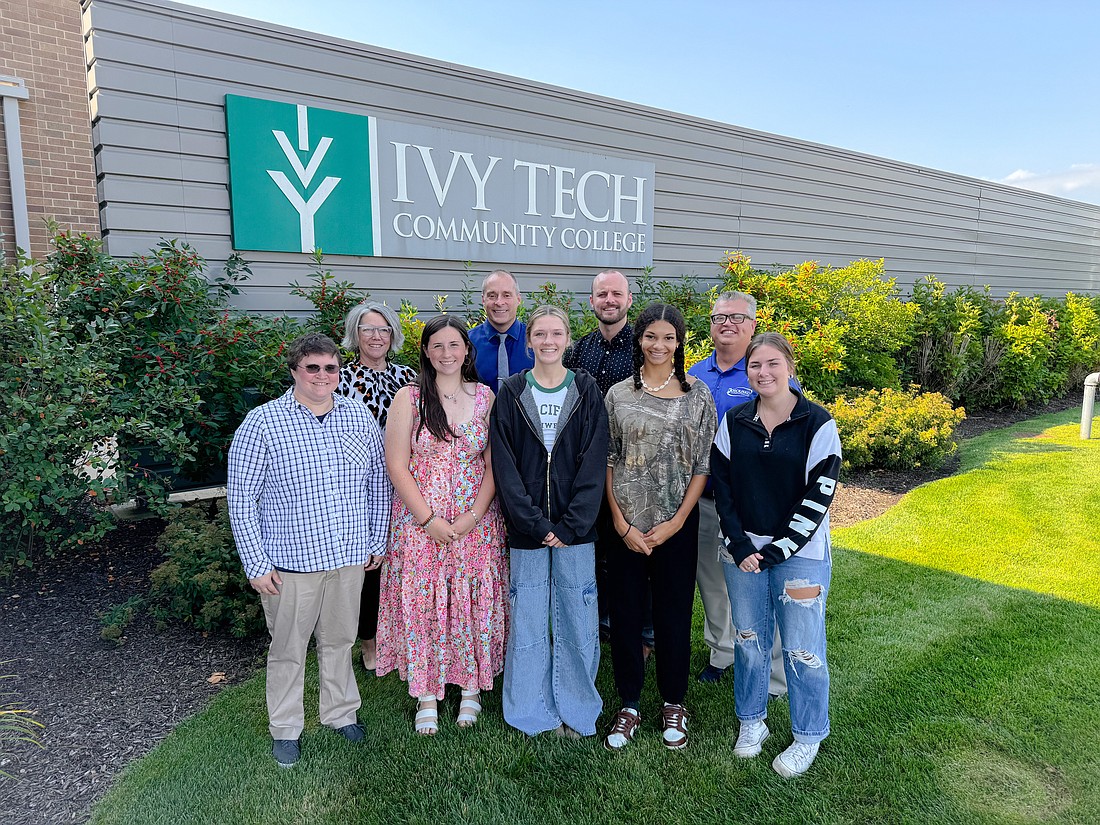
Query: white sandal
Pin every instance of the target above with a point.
(427, 719)
(469, 708)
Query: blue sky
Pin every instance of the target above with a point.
(996, 89)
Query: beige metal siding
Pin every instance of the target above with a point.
(159, 72)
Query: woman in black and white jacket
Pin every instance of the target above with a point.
(775, 465)
(549, 453)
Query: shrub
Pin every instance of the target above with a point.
(332, 300)
(201, 582)
(1076, 337)
(68, 394)
(895, 429)
(955, 350)
(1027, 372)
(175, 336)
(846, 324)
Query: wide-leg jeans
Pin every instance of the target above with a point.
(554, 647)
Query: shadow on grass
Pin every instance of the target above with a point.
(954, 700)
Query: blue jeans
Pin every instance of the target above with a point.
(554, 647)
(758, 601)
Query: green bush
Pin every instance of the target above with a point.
(1027, 371)
(1076, 337)
(175, 336)
(985, 352)
(895, 429)
(955, 350)
(332, 300)
(68, 395)
(201, 582)
(846, 324)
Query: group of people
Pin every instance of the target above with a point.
(538, 483)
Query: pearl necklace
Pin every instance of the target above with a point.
(656, 389)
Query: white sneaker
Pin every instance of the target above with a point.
(796, 759)
(750, 741)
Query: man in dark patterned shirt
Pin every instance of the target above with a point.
(607, 354)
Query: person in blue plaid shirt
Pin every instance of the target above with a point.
(309, 504)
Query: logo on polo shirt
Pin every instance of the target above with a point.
(740, 392)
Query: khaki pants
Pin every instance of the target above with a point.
(717, 616)
(325, 604)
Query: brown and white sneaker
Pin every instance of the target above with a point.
(674, 726)
(623, 728)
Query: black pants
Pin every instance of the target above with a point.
(606, 537)
(669, 571)
(368, 604)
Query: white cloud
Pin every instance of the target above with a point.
(1080, 182)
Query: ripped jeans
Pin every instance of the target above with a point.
(554, 643)
(759, 601)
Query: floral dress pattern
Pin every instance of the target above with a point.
(444, 610)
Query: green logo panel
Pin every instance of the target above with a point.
(299, 178)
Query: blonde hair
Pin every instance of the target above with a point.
(548, 311)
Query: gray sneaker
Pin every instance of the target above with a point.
(286, 752)
(353, 732)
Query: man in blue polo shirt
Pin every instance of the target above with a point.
(732, 324)
(500, 343)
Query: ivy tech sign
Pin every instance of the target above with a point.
(302, 178)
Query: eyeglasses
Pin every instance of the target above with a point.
(720, 318)
(381, 332)
(313, 369)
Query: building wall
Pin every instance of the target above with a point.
(41, 42)
(159, 71)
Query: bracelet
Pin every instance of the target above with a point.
(428, 520)
(624, 534)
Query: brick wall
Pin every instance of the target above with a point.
(41, 42)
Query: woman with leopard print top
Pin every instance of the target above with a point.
(373, 331)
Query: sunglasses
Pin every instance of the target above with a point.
(313, 369)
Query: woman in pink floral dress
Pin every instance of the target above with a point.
(443, 615)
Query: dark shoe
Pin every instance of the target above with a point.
(565, 732)
(286, 752)
(711, 675)
(622, 729)
(674, 726)
(353, 732)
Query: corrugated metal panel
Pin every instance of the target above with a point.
(159, 72)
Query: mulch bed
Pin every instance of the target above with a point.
(105, 704)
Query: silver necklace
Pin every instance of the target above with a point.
(453, 395)
(656, 389)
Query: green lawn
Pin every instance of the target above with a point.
(966, 688)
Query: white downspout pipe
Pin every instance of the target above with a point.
(1091, 384)
(12, 90)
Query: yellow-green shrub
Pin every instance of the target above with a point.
(896, 430)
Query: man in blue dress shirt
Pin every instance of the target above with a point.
(500, 343)
(732, 325)
(309, 504)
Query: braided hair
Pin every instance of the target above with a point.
(432, 414)
(661, 312)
